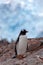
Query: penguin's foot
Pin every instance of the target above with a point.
(21, 56)
(24, 56)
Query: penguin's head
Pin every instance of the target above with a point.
(23, 32)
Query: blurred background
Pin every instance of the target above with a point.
(16, 15)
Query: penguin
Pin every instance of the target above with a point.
(21, 44)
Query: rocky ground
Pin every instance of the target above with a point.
(34, 49)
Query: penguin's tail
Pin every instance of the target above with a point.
(14, 57)
(41, 44)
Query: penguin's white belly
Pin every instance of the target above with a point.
(22, 45)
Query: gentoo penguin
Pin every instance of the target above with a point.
(21, 44)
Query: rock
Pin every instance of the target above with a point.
(1, 50)
(3, 58)
(7, 52)
(33, 44)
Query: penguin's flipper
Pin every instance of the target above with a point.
(15, 50)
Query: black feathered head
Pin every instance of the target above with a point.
(23, 32)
